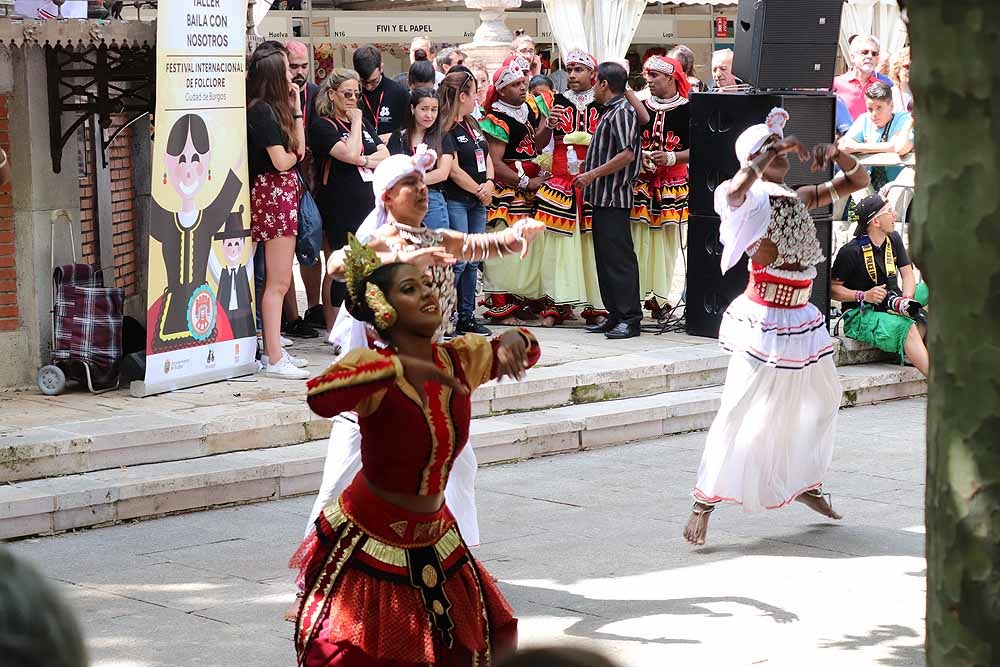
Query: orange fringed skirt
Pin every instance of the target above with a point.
(385, 587)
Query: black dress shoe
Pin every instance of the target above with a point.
(299, 329)
(623, 330)
(604, 327)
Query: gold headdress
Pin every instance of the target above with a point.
(360, 261)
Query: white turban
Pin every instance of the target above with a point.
(348, 333)
(754, 137)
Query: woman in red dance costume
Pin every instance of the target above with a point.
(389, 580)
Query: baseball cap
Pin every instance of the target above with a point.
(867, 209)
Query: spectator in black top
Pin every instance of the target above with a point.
(421, 72)
(275, 143)
(312, 276)
(866, 280)
(347, 149)
(470, 186)
(422, 127)
(383, 101)
(612, 164)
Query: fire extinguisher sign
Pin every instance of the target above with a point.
(721, 26)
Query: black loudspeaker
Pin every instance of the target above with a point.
(787, 44)
(709, 291)
(717, 119)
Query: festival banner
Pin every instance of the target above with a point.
(200, 314)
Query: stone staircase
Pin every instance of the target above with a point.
(111, 469)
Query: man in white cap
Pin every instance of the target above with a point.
(567, 278)
(771, 442)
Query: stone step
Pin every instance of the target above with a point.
(145, 491)
(136, 439)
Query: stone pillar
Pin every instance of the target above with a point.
(39, 196)
(491, 43)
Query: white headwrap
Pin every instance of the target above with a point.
(347, 332)
(511, 73)
(659, 64)
(581, 57)
(754, 136)
(743, 226)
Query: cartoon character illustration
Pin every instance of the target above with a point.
(187, 313)
(233, 279)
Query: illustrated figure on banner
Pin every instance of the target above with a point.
(187, 313)
(235, 295)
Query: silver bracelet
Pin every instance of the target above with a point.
(523, 181)
(854, 169)
(834, 195)
(3, 163)
(671, 158)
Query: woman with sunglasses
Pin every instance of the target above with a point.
(352, 150)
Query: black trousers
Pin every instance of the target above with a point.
(617, 266)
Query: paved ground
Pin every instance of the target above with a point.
(588, 548)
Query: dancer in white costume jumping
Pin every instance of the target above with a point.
(772, 440)
(396, 230)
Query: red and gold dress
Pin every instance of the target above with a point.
(384, 585)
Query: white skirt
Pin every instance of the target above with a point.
(772, 438)
(343, 463)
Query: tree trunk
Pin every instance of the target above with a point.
(956, 230)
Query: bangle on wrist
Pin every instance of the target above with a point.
(756, 170)
(523, 181)
(854, 169)
(297, 116)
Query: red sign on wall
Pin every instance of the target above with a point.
(721, 26)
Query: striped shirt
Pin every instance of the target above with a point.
(617, 131)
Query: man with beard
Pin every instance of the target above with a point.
(312, 276)
(569, 274)
(516, 133)
(661, 191)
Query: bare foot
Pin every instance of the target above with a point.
(510, 321)
(549, 321)
(292, 613)
(600, 319)
(697, 526)
(819, 503)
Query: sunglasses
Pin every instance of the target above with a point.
(868, 52)
(350, 94)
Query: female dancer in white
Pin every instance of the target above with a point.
(772, 440)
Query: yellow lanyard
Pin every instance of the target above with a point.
(869, 254)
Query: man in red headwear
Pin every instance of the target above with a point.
(516, 133)
(661, 191)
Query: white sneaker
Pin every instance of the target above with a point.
(285, 370)
(285, 342)
(298, 362)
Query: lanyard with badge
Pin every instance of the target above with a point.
(374, 112)
(367, 175)
(480, 153)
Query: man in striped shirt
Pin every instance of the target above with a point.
(611, 167)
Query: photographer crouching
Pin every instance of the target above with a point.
(865, 281)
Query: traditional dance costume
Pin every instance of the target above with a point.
(383, 583)
(569, 273)
(772, 439)
(343, 457)
(661, 191)
(511, 280)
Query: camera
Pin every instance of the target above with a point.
(895, 302)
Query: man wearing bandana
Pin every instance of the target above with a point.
(660, 204)
(516, 133)
(569, 274)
